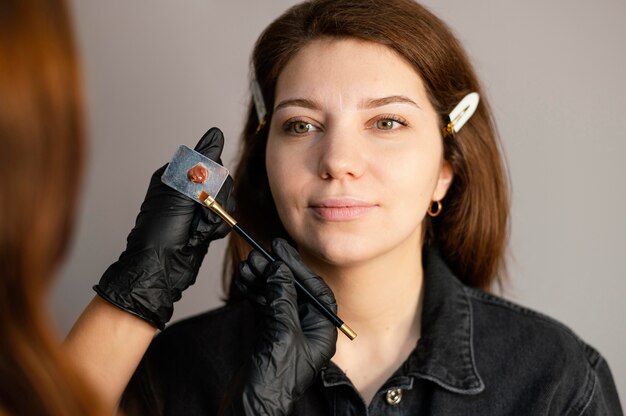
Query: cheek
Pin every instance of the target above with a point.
(273, 167)
(415, 171)
(411, 181)
(415, 193)
(283, 174)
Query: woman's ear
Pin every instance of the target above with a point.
(446, 174)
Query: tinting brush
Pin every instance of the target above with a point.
(199, 178)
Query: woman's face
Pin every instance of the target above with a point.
(354, 154)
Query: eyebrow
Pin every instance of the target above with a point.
(368, 104)
(297, 102)
(392, 99)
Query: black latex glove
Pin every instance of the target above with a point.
(166, 247)
(296, 340)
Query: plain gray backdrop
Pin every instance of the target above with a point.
(160, 73)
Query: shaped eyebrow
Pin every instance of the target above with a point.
(297, 102)
(368, 104)
(392, 99)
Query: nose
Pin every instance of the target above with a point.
(342, 154)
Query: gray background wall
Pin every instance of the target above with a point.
(159, 73)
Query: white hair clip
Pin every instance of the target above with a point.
(259, 104)
(461, 113)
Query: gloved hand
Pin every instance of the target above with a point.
(296, 340)
(167, 245)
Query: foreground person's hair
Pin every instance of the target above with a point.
(41, 156)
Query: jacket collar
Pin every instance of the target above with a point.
(445, 351)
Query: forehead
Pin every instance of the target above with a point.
(348, 70)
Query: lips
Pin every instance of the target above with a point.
(342, 209)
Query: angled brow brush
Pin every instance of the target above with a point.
(198, 177)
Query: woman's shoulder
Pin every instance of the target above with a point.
(517, 345)
(498, 317)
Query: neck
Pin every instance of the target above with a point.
(381, 296)
(381, 300)
(371, 293)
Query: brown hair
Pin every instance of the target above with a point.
(41, 157)
(473, 230)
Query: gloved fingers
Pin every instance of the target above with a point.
(251, 271)
(252, 277)
(164, 217)
(313, 320)
(227, 201)
(291, 257)
(161, 201)
(250, 285)
(318, 330)
(158, 190)
(310, 280)
(225, 196)
(167, 227)
(282, 298)
(246, 279)
(207, 224)
(301, 328)
(211, 144)
(259, 264)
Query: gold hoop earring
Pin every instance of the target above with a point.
(439, 208)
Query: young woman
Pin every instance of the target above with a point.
(406, 223)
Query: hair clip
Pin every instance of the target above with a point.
(461, 113)
(259, 104)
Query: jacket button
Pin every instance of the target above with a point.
(394, 396)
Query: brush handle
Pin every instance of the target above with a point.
(212, 204)
(312, 299)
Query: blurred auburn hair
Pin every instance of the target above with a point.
(472, 231)
(41, 159)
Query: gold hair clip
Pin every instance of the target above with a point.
(461, 113)
(259, 104)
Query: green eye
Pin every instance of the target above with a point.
(385, 124)
(295, 127)
(301, 127)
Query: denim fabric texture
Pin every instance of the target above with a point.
(478, 355)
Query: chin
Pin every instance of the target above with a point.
(339, 252)
(349, 249)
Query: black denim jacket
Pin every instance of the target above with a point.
(478, 355)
